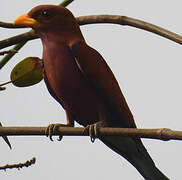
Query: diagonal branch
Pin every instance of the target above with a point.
(2, 53)
(6, 58)
(18, 39)
(65, 3)
(162, 133)
(19, 165)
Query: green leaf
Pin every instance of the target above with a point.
(27, 72)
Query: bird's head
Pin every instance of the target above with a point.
(47, 18)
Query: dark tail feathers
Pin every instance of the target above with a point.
(137, 156)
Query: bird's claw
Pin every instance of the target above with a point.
(93, 131)
(51, 130)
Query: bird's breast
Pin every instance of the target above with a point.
(68, 85)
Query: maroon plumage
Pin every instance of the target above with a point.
(80, 80)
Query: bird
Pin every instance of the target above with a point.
(79, 79)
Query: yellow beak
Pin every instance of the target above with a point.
(25, 20)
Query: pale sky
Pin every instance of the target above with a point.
(148, 69)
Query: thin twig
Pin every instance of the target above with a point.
(18, 39)
(162, 133)
(11, 51)
(66, 3)
(6, 138)
(9, 25)
(9, 56)
(2, 88)
(19, 165)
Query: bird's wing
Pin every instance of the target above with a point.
(51, 91)
(96, 70)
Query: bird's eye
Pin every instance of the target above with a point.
(43, 15)
(46, 14)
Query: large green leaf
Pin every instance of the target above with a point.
(27, 72)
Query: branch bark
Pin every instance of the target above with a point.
(19, 165)
(124, 20)
(18, 39)
(9, 25)
(162, 133)
(96, 19)
(2, 53)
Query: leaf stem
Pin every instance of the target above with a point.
(5, 83)
(6, 58)
(66, 3)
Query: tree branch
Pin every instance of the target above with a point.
(95, 19)
(2, 53)
(6, 58)
(19, 165)
(162, 133)
(9, 25)
(65, 3)
(124, 20)
(18, 39)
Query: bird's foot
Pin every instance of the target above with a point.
(52, 129)
(93, 130)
